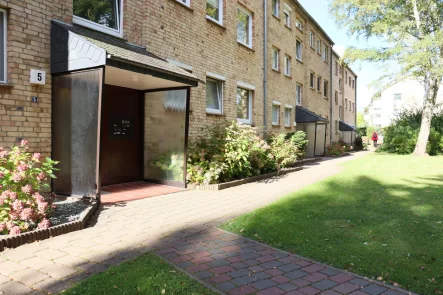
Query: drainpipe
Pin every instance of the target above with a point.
(330, 97)
(265, 68)
(355, 109)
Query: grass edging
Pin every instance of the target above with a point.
(221, 186)
(43, 234)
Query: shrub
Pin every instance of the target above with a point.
(284, 150)
(22, 175)
(358, 143)
(337, 148)
(299, 140)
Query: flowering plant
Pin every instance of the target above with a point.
(336, 149)
(22, 176)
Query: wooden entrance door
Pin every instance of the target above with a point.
(121, 135)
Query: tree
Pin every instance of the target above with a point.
(413, 38)
(360, 119)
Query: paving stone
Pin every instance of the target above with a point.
(288, 287)
(374, 289)
(346, 288)
(272, 291)
(313, 268)
(200, 254)
(244, 280)
(50, 254)
(359, 282)
(202, 260)
(301, 282)
(271, 264)
(72, 261)
(226, 286)
(243, 290)
(251, 262)
(329, 271)
(289, 267)
(221, 269)
(288, 259)
(18, 256)
(3, 279)
(231, 254)
(393, 292)
(250, 255)
(309, 290)
(9, 267)
(266, 258)
(185, 264)
(216, 251)
(197, 268)
(239, 273)
(52, 286)
(181, 258)
(302, 262)
(315, 277)
(296, 274)
(261, 275)
(58, 271)
(324, 285)
(274, 272)
(220, 279)
(29, 276)
(234, 259)
(14, 288)
(264, 284)
(256, 268)
(203, 274)
(280, 279)
(239, 265)
(218, 263)
(341, 278)
(330, 292)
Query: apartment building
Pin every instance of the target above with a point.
(109, 89)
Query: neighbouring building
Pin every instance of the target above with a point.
(114, 91)
(389, 102)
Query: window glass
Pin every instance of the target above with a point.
(186, 2)
(298, 94)
(325, 86)
(287, 66)
(298, 24)
(318, 46)
(2, 46)
(287, 117)
(275, 114)
(336, 97)
(243, 27)
(213, 9)
(244, 105)
(397, 96)
(318, 83)
(312, 82)
(275, 58)
(287, 18)
(213, 95)
(298, 50)
(275, 7)
(103, 12)
(311, 40)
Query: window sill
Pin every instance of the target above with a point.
(244, 122)
(275, 125)
(214, 22)
(287, 126)
(298, 29)
(276, 70)
(299, 60)
(312, 88)
(245, 46)
(214, 113)
(276, 17)
(288, 76)
(6, 85)
(289, 28)
(183, 5)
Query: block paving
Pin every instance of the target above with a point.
(236, 265)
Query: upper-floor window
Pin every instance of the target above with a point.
(105, 15)
(185, 2)
(346, 77)
(346, 103)
(326, 53)
(275, 7)
(318, 46)
(244, 27)
(298, 24)
(275, 59)
(287, 12)
(288, 65)
(298, 50)
(336, 97)
(325, 88)
(336, 68)
(312, 80)
(319, 84)
(397, 96)
(339, 84)
(3, 34)
(298, 94)
(311, 40)
(350, 80)
(214, 10)
(353, 83)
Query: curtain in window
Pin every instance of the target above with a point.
(212, 95)
(175, 100)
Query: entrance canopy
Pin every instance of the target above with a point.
(346, 127)
(127, 65)
(303, 115)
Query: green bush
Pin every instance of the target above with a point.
(284, 151)
(358, 143)
(401, 136)
(335, 149)
(299, 140)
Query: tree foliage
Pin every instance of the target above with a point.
(412, 35)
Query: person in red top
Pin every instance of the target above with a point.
(375, 138)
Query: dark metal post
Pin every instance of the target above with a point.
(315, 139)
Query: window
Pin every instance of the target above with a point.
(350, 81)
(311, 40)
(336, 126)
(312, 80)
(214, 10)
(275, 59)
(287, 12)
(288, 65)
(325, 88)
(288, 111)
(340, 70)
(346, 103)
(340, 112)
(244, 105)
(298, 94)
(336, 68)
(353, 107)
(339, 84)
(298, 50)
(326, 53)
(214, 96)
(298, 24)
(397, 96)
(350, 105)
(185, 2)
(353, 84)
(3, 35)
(336, 97)
(346, 77)
(275, 113)
(244, 27)
(318, 46)
(275, 7)
(104, 15)
(319, 84)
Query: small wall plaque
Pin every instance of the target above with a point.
(34, 99)
(38, 77)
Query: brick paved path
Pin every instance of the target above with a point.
(239, 266)
(122, 232)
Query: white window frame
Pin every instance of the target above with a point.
(318, 46)
(95, 26)
(326, 53)
(312, 85)
(325, 89)
(220, 14)
(185, 2)
(319, 79)
(5, 25)
(277, 8)
(298, 56)
(300, 96)
(288, 69)
(288, 120)
(298, 24)
(346, 103)
(311, 40)
(220, 80)
(275, 57)
(249, 44)
(287, 11)
(276, 104)
(250, 89)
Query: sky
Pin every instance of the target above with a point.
(367, 72)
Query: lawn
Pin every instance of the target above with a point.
(381, 217)
(147, 274)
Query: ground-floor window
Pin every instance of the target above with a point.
(275, 113)
(288, 111)
(214, 96)
(298, 94)
(244, 105)
(3, 34)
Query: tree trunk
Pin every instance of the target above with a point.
(431, 89)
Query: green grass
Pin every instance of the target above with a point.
(147, 274)
(381, 217)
